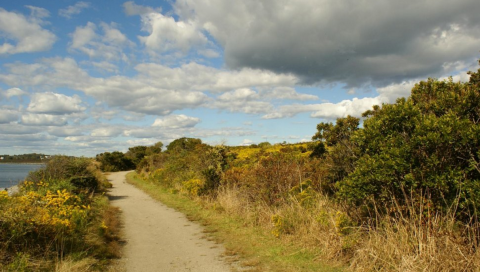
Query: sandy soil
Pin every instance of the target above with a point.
(159, 238)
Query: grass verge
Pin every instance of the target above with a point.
(255, 248)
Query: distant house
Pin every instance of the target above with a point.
(2, 158)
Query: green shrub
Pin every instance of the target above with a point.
(115, 161)
(63, 172)
(424, 146)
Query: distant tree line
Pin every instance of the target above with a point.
(119, 161)
(30, 158)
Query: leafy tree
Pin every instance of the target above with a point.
(264, 144)
(154, 149)
(136, 153)
(339, 133)
(115, 161)
(183, 144)
(318, 150)
(341, 150)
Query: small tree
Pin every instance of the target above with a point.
(115, 161)
(341, 150)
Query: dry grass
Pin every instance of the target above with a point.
(313, 227)
(68, 265)
(421, 241)
(105, 235)
(416, 243)
(112, 232)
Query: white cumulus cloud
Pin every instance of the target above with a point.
(176, 121)
(14, 92)
(354, 107)
(242, 100)
(24, 34)
(166, 34)
(106, 132)
(43, 120)
(109, 46)
(54, 103)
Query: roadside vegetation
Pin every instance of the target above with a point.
(60, 220)
(400, 192)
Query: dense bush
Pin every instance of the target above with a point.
(271, 178)
(70, 173)
(56, 214)
(196, 168)
(187, 164)
(425, 146)
(115, 161)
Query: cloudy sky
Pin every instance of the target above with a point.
(81, 78)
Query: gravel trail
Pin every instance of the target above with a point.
(159, 238)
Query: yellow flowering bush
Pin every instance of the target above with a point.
(41, 219)
(157, 173)
(57, 213)
(303, 193)
(343, 223)
(281, 225)
(31, 218)
(193, 186)
(278, 223)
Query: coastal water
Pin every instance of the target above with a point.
(12, 173)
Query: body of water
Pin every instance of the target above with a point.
(12, 173)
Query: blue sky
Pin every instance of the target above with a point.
(81, 78)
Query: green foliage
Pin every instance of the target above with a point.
(70, 173)
(154, 149)
(264, 145)
(115, 161)
(136, 153)
(183, 145)
(341, 150)
(303, 193)
(271, 179)
(212, 180)
(318, 150)
(338, 133)
(425, 145)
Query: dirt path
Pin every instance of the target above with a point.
(159, 238)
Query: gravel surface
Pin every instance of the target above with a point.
(159, 238)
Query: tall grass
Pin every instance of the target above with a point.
(419, 242)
